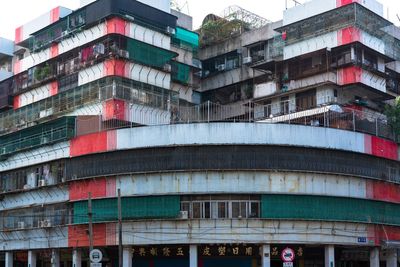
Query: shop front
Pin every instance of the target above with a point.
(231, 255)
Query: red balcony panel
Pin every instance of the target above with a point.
(384, 191)
(117, 25)
(384, 148)
(114, 109)
(79, 190)
(78, 235)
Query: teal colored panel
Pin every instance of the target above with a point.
(186, 36)
(43, 134)
(151, 207)
(325, 208)
(180, 72)
(105, 210)
(148, 54)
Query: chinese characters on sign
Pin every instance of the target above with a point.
(161, 251)
(228, 250)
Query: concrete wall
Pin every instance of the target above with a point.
(164, 5)
(247, 38)
(315, 7)
(131, 30)
(6, 46)
(184, 20)
(22, 33)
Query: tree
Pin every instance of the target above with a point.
(393, 114)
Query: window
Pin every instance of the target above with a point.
(306, 100)
(285, 105)
(370, 60)
(218, 207)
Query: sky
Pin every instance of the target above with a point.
(18, 12)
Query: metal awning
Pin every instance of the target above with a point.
(302, 114)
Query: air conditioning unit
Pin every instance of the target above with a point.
(42, 182)
(167, 68)
(171, 30)
(221, 67)
(247, 60)
(44, 223)
(21, 225)
(184, 215)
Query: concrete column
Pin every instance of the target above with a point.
(391, 258)
(31, 258)
(374, 258)
(9, 259)
(329, 256)
(266, 256)
(193, 257)
(76, 258)
(127, 257)
(55, 258)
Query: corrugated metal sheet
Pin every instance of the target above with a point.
(132, 208)
(231, 157)
(329, 209)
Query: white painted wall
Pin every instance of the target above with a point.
(373, 42)
(49, 195)
(241, 182)
(310, 45)
(36, 156)
(163, 5)
(41, 22)
(148, 75)
(373, 80)
(325, 94)
(35, 95)
(315, 7)
(240, 133)
(242, 231)
(265, 89)
(136, 32)
(306, 10)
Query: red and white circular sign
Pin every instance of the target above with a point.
(287, 255)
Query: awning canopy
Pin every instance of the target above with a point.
(302, 114)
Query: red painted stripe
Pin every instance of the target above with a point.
(111, 187)
(349, 75)
(19, 34)
(349, 35)
(17, 66)
(340, 3)
(78, 190)
(93, 143)
(111, 238)
(384, 191)
(377, 233)
(114, 109)
(117, 25)
(88, 144)
(78, 235)
(54, 51)
(17, 102)
(114, 67)
(54, 88)
(54, 14)
(384, 148)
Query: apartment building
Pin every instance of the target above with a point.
(245, 143)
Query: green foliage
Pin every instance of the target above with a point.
(393, 114)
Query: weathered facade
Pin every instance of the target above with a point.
(264, 143)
